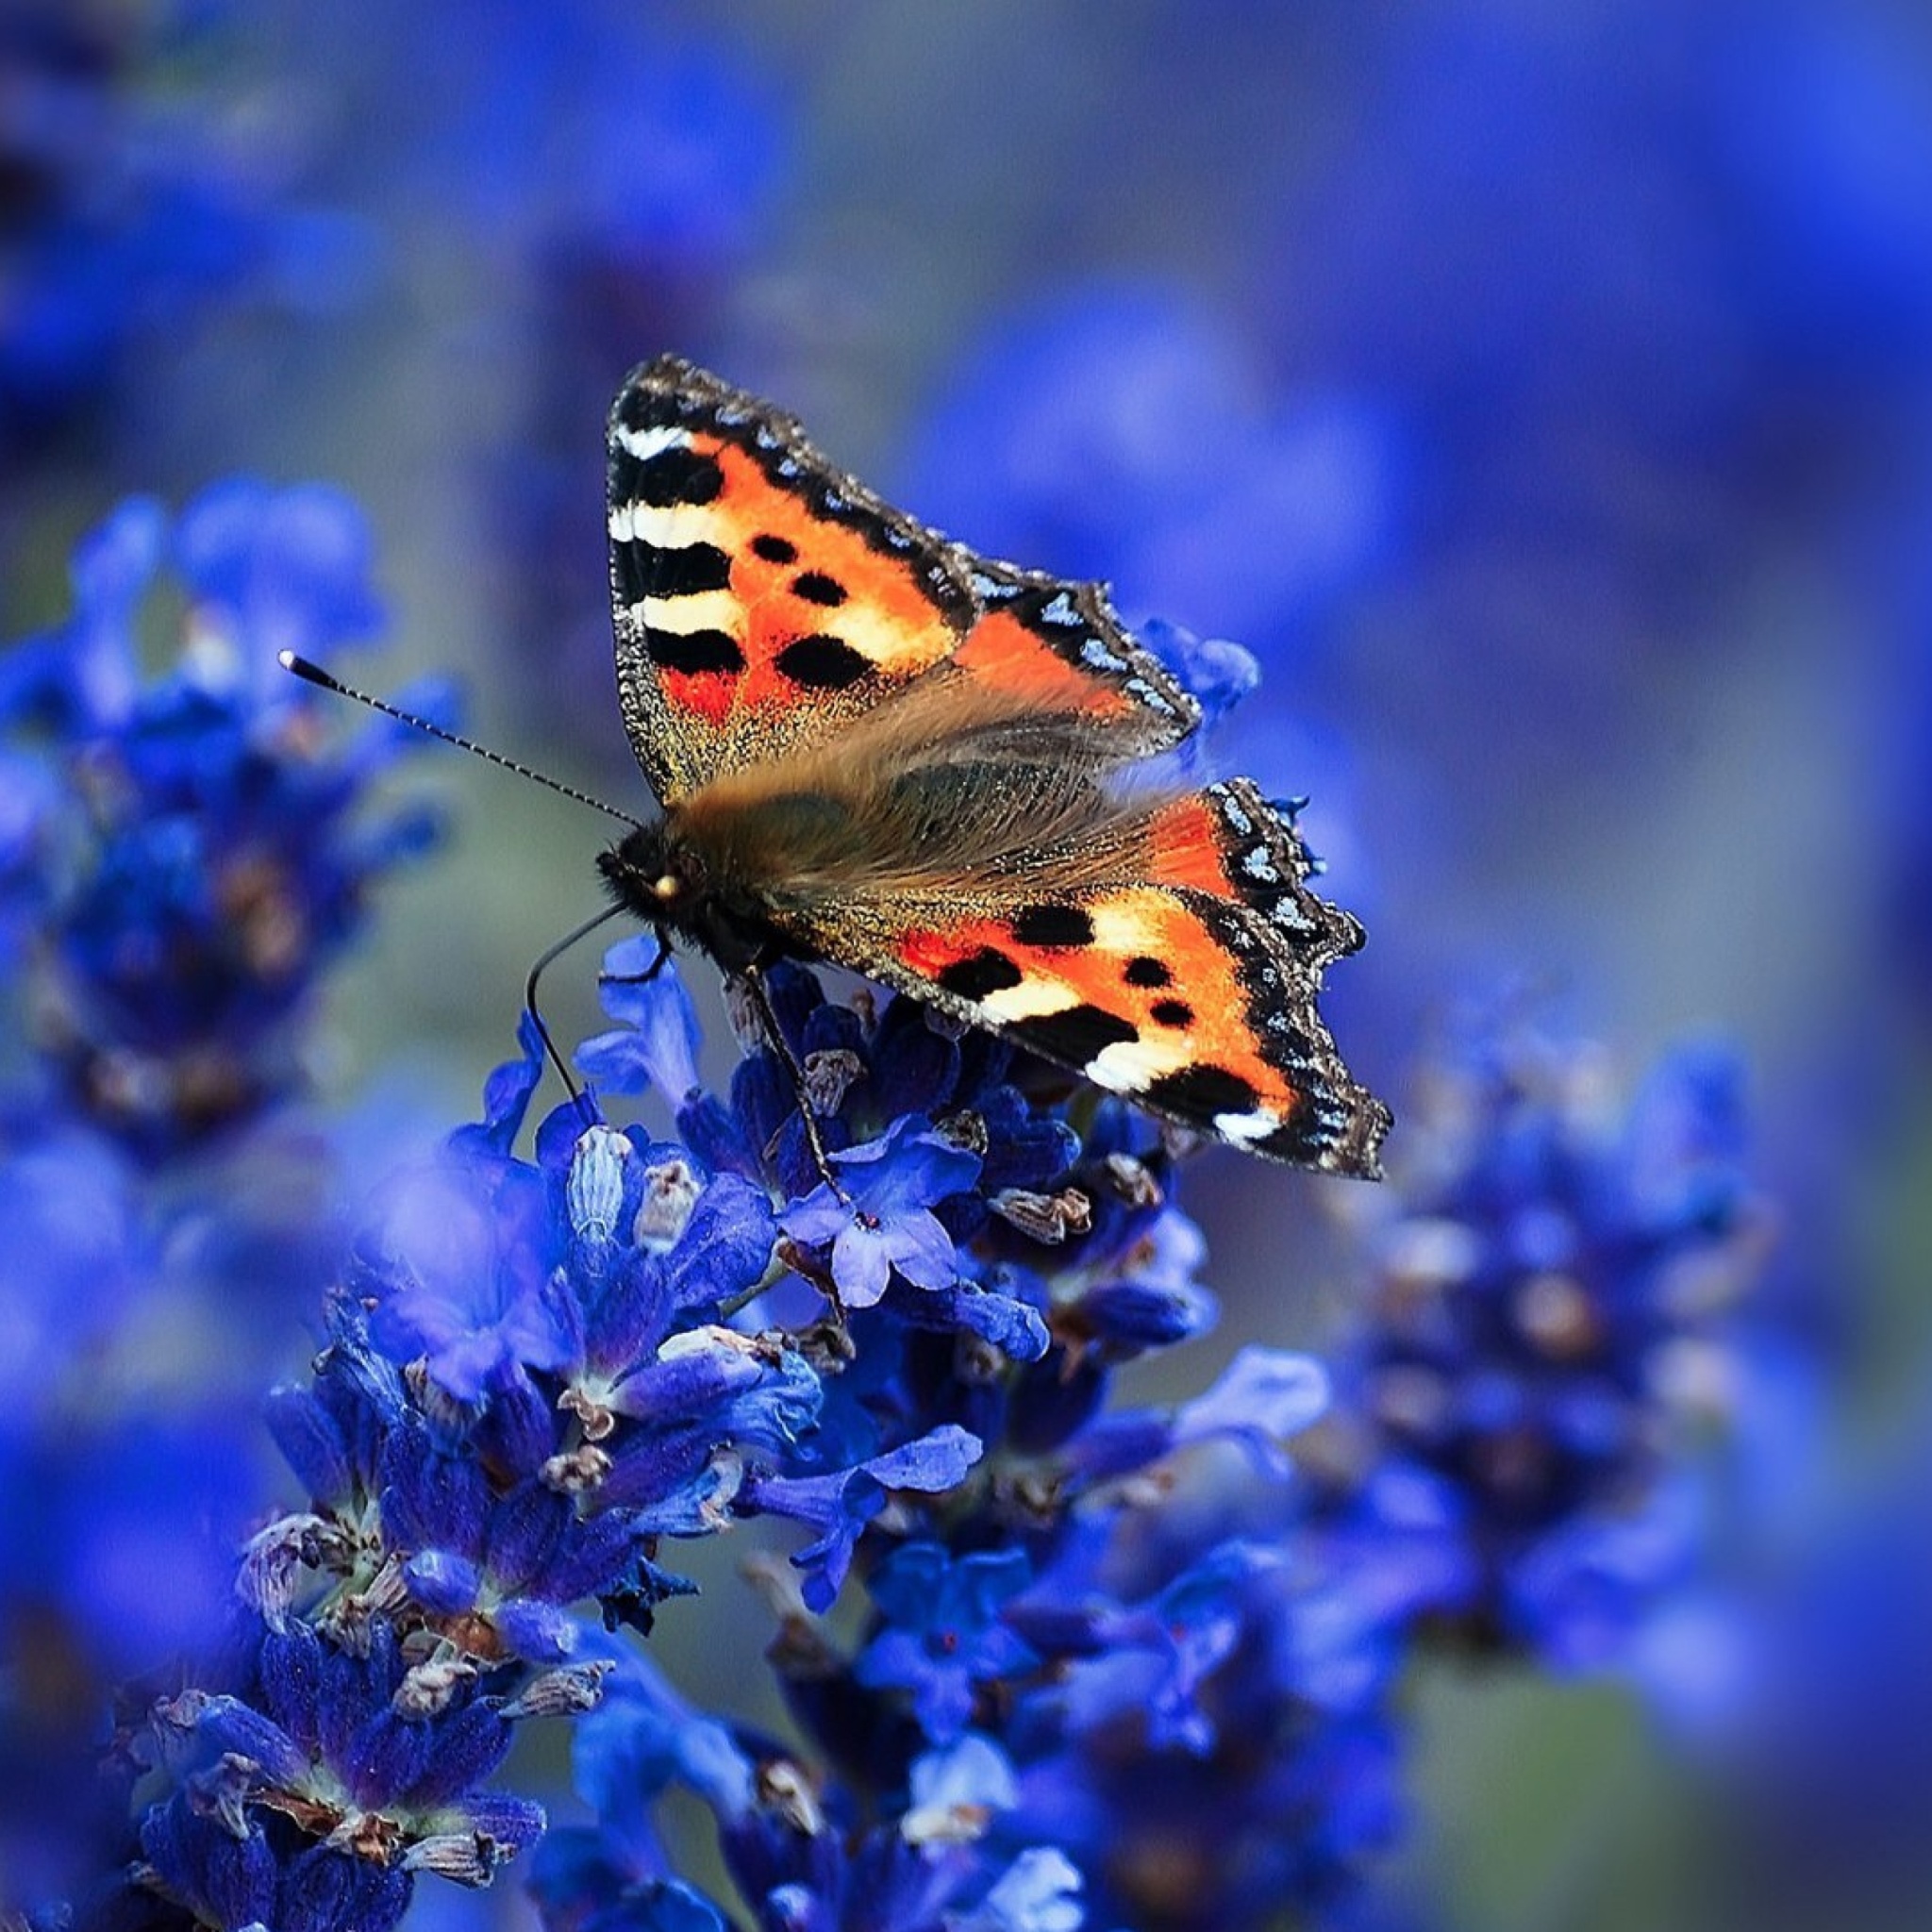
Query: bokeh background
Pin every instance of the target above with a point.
(1543, 394)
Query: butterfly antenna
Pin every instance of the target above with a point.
(314, 674)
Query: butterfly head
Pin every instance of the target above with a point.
(649, 874)
(664, 879)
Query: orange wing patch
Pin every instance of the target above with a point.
(1230, 842)
(800, 575)
(1191, 990)
(1060, 647)
(1187, 846)
(1135, 989)
(759, 600)
(747, 602)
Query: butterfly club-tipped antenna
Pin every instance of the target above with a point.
(313, 674)
(310, 673)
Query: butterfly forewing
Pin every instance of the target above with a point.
(763, 599)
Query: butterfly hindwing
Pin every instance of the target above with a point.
(763, 599)
(1190, 988)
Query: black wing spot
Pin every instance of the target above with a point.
(641, 406)
(682, 571)
(1172, 1012)
(695, 651)
(1080, 1034)
(1143, 970)
(1052, 925)
(629, 575)
(671, 478)
(774, 549)
(820, 661)
(815, 587)
(980, 974)
(1198, 1093)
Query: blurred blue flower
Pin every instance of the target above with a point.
(1218, 671)
(601, 141)
(1262, 1398)
(470, 1255)
(1647, 305)
(268, 570)
(1554, 1310)
(135, 209)
(1221, 1749)
(1825, 1726)
(641, 1741)
(1819, 139)
(215, 853)
(941, 1634)
(611, 172)
(1140, 1290)
(1120, 431)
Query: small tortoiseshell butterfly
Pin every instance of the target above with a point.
(875, 748)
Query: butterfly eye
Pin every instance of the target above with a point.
(666, 886)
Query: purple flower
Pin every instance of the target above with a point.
(1261, 1398)
(1142, 1294)
(1219, 672)
(641, 1741)
(507, 1092)
(887, 1223)
(384, 1760)
(1038, 1892)
(797, 1847)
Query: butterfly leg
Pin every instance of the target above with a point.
(536, 973)
(645, 978)
(754, 982)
